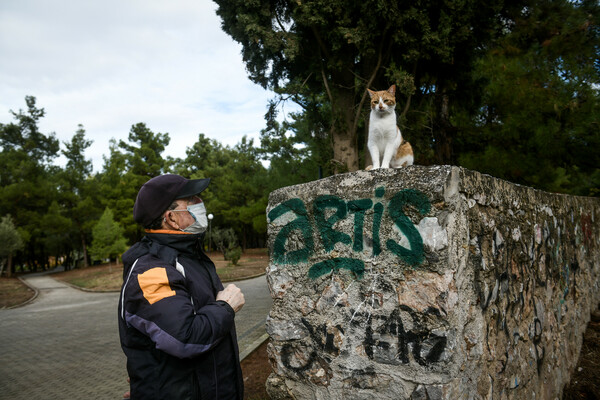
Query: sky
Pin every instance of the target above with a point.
(111, 64)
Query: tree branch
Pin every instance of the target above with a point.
(320, 42)
(327, 87)
(407, 105)
(369, 82)
(280, 24)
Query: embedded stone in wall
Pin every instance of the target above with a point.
(428, 282)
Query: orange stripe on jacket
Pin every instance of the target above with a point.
(155, 285)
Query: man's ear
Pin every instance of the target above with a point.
(169, 220)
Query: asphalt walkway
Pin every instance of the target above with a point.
(65, 344)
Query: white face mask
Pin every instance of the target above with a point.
(198, 211)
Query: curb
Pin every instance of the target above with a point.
(253, 346)
(243, 279)
(118, 290)
(36, 293)
(86, 289)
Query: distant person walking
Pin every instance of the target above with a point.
(176, 321)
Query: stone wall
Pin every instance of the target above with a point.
(428, 283)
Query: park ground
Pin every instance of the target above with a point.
(585, 383)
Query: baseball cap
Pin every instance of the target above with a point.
(156, 195)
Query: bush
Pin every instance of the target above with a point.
(234, 255)
(225, 240)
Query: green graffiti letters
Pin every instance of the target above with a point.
(414, 255)
(301, 223)
(329, 210)
(358, 207)
(329, 236)
(378, 214)
(327, 266)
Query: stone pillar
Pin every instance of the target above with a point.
(428, 283)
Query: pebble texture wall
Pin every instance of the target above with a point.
(428, 283)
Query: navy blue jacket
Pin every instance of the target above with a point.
(179, 341)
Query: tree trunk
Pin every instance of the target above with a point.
(83, 245)
(9, 266)
(343, 133)
(443, 131)
(345, 153)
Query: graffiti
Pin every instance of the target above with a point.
(425, 346)
(296, 358)
(414, 255)
(386, 339)
(301, 223)
(330, 236)
(329, 210)
(527, 286)
(327, 266)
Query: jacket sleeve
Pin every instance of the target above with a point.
(157, 303)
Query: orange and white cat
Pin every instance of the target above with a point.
(385, 143)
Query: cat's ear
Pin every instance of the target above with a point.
(371, 92)
(392, 89)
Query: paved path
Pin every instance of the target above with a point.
(65, 344)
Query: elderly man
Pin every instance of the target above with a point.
(176, 322)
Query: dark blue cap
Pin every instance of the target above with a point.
(156, 195)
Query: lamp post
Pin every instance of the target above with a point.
(210, 217)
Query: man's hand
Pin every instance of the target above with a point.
(127, 394)
(233, 296)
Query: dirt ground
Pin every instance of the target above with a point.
(256, 370)
(585, 382)
(13, 292)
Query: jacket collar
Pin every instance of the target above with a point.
(181, 242)
(166, 245)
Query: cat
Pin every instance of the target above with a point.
(385, 143)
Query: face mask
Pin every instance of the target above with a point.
(200, 224)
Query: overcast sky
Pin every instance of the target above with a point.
(110, 64)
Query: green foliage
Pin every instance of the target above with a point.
(234, 255)
(10, 239)
(143, 155)
(78, 193)
(108, 240)
(55, 230)
(27, 177)
(540, 120)
(224, 240)
(324, 54)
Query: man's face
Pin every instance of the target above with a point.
(180, 218)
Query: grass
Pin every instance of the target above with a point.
(105, 277)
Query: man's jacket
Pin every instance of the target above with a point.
(179, 341)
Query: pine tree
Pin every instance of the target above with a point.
(10, 241)
(108, 240)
